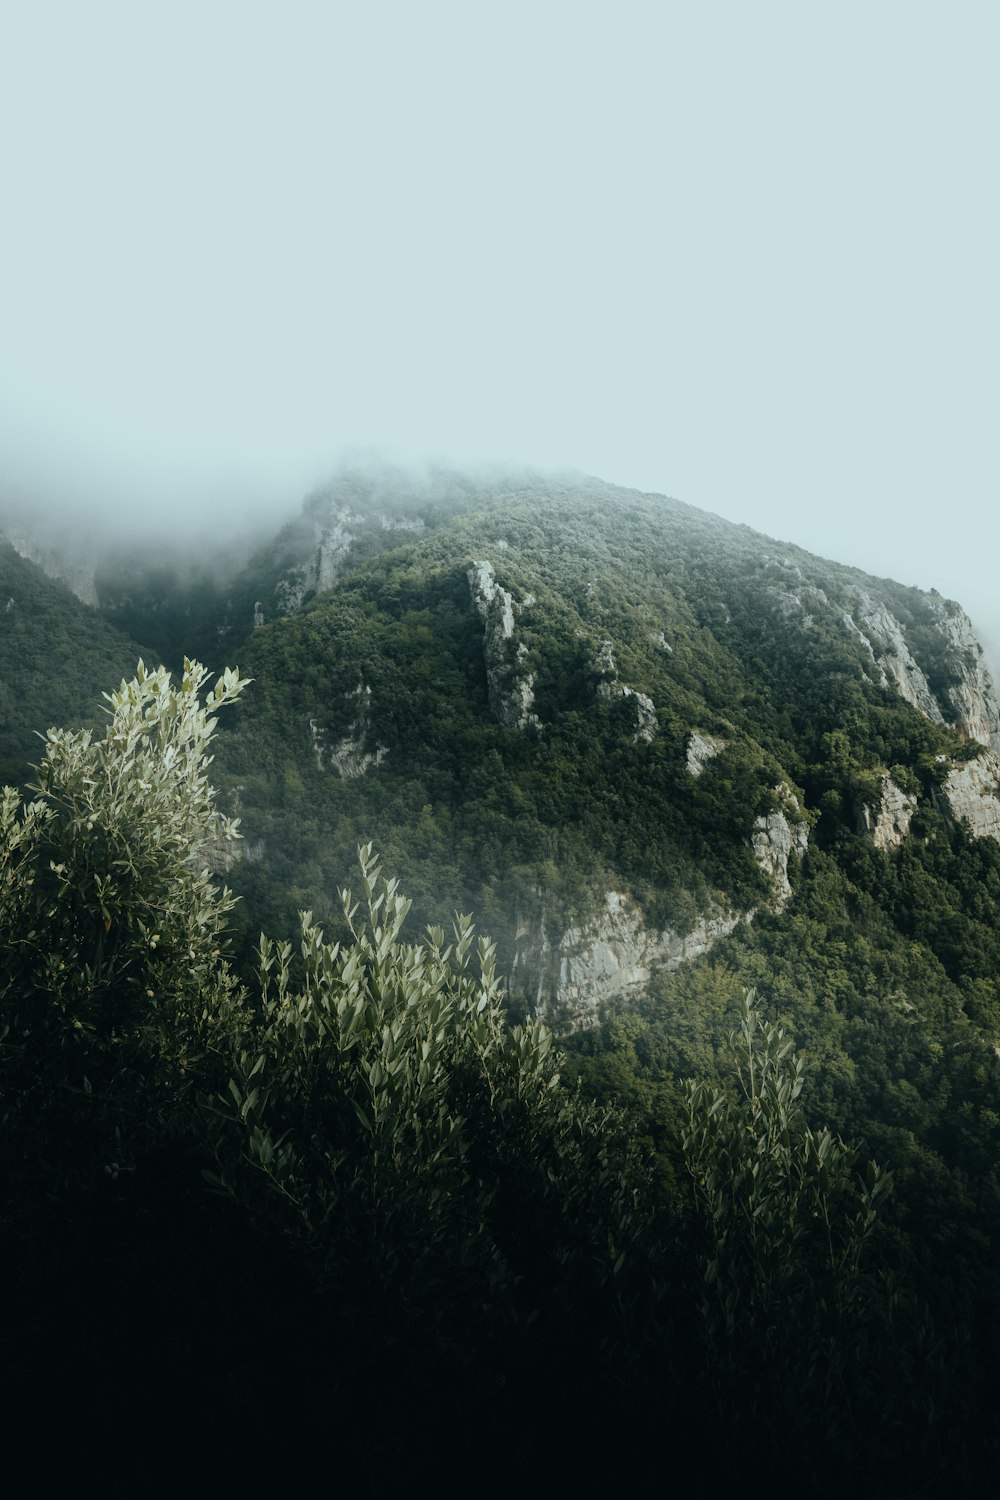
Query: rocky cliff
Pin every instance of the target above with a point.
(72, 563)
(612, 690)
(972, 695)
(509, 684)
(888, 822)
(892, 659)
(353, 754)
(971, 792)
(570, 975)
(336, 529)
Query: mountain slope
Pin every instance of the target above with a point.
(661, 758)
(559, 691)
(56, 656)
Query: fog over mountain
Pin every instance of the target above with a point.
(743, 258)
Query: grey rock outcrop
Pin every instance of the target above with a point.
(350, 756)
(972, 791)
(75, 568)
(970, 701)
(335, 529)
(573, 973)
(890, 654)
(612, 955)
(646, 723)
(701, 749)
(222, 853)
(777, 837)
(888, 823)
(509, 685)
(973, 698)
(790, 594)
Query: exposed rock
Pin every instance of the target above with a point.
(973, 698)
(972, 791)
(891, 654)
(775, 839)
(531, 968)
(659, 639)
(333, 540)
(413, 524)
(701, 749)
(851, 625)
(790, 593)
(888, 824)
(612, 955)
(222, 853)
(605, 659)
(615, 953)
(646, 722)
(510, 687)
(76, 571)
(335, 530)
(349, 757)
(318, 742)
(788, 604)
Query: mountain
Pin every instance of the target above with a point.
(56, 656)
(662, 759)
(615, 722)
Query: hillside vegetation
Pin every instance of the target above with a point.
(665, 762)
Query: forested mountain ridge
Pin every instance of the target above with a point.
(54, 651)
(661, 758)
(608, 693)
(618, 721)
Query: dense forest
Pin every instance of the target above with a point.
(699, 1144)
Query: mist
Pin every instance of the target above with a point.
(742, 258)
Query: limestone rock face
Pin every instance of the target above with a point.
(349, 757)
(612, 955)
(509, 684)
(888, 824)
(891, 655)
(575, 972)
(335, 529)
(789, 593)
(973, 697)
(775, 839)
(701, 749)
(76, 567)
(333, 539)
(972, 791)
(223, 853)
(646, 723)
(971, 700)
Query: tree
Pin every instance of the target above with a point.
(789, 1311)
(386, 1150)
(111, 927)
(427, 1151)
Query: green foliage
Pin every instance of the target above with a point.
(55, 654)
(420, 1203)
(388, 1113)
(111, 927)
(786, 1221)
(451, 1205)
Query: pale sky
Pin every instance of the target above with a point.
(746, 254)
